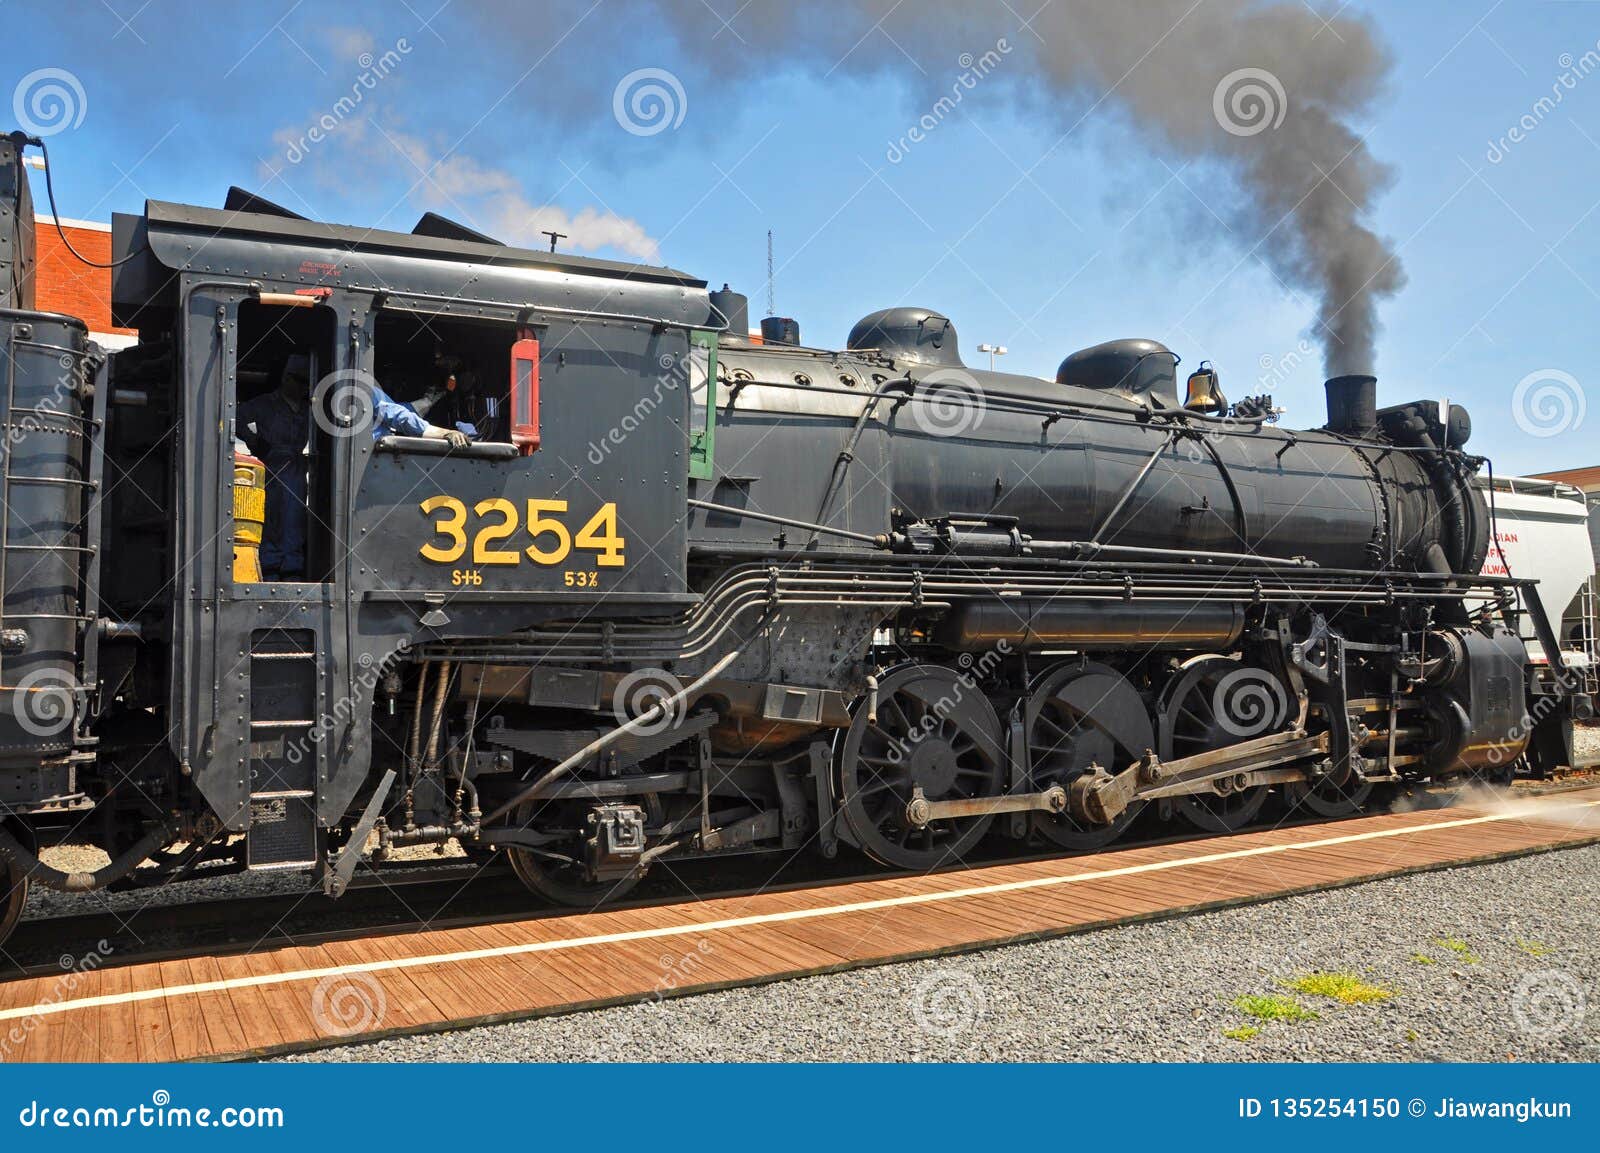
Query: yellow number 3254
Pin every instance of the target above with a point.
(498, 520)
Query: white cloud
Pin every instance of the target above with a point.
(481, 196)
(492, 201)
(350, 43)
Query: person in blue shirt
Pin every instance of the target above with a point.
(392, 417)
(276, 426)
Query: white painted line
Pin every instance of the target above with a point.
(45, 1009)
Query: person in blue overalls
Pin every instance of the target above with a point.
(276, 426)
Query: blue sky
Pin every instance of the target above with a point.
(1024, 238)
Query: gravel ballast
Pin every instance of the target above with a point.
(1585, 743)
(1488, 963)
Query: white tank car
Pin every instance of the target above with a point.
(1541, 528)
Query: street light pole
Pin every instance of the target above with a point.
(993, 350)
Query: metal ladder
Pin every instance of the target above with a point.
(284, 756)
(71, 422)
(1587, 634)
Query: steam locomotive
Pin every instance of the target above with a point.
(691, 591)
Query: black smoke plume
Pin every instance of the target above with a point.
(1268, 92)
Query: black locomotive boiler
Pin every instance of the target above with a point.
(688, 592)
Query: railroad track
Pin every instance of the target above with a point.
(404, 897)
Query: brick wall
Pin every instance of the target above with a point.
(65, 284)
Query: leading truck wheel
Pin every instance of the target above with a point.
(564, 884)
(562, 880)
(13, 898)
(933, 731)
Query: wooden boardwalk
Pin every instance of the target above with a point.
(305, 997)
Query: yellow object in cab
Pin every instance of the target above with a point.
(249, 517)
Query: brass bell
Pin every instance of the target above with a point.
(1204, 393)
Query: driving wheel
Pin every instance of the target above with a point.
(1079, 715)
(933, 731)
(1211, 703)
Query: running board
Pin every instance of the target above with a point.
(1100, 798)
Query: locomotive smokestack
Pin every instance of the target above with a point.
(1353, 404)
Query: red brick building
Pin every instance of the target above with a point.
(1586, 479)
(63, 283)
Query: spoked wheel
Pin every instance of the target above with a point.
(934, 731)
(13, 897)
(562, 880)
(1211, 703)
(1079, 715)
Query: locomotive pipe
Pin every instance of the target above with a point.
(879, 541)
(649, 717)
(1031, 624)
(414, 740)
(847, 455)
(1091, 548)
(441, 690)
(422, 835)
(1133, 485)
(1452, 514)
(1014, 544)
(746, 591)
(36, 870)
